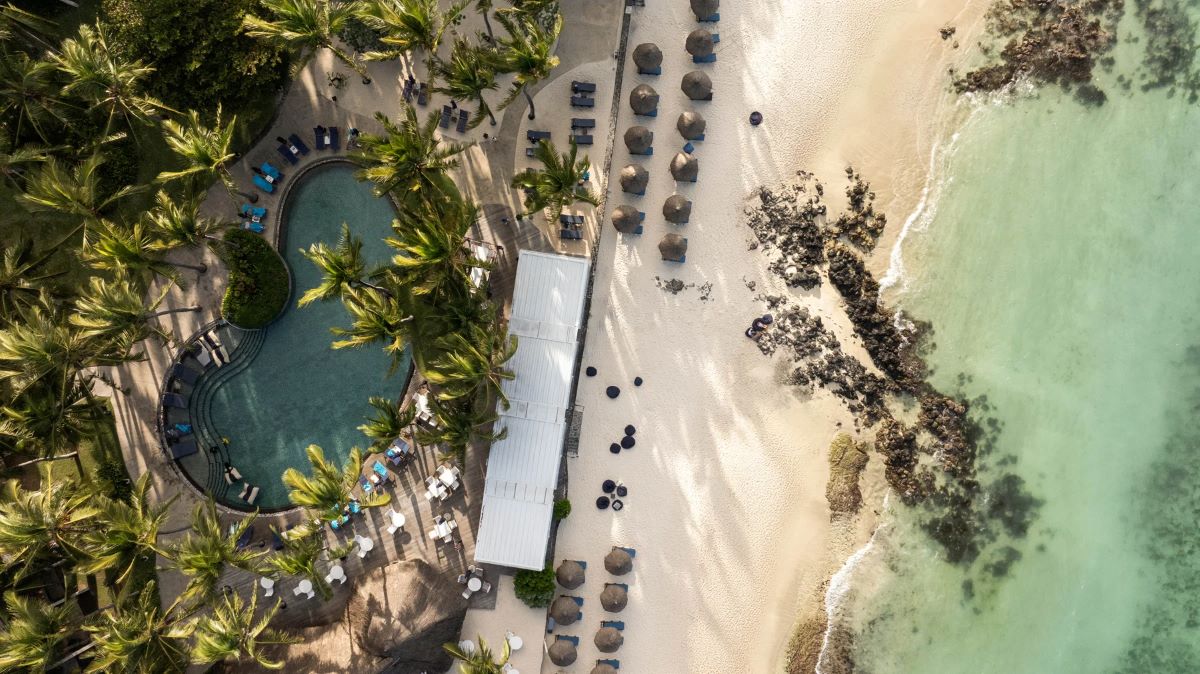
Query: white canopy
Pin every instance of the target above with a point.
(522, 471)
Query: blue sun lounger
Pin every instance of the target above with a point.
(582, 102)
(381, 470)
(183, 448)
(422, 95)
(463, 118)
(570, 234)
(257, 212)
(631, 551)
(711, 58)
(615, 624)
(319, 138)
(710, 19)
(256, 227)
(566, 637)
(295, 140)
(615, 664)
(582, 139)
(657, 70)
(184, 374)
(408, 91)
(175, 400)
(286, 153)
(583, 123)
(583, 87)
(446, 112)
(262, 184)
(335, 141)
(270, 170)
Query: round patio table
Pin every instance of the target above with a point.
(266, 583)
(337, 572)
(366, 544)
(474, 584)
(515, 642)
(305, 586)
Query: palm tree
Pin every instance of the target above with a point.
(471, 366)
(481, 660)
(329, 488)
(559, 183)
(484, 8)
(130, 532)
(460, 425)
(39, 527)
(45, 422)
(34, 633)
(20, 280)
(102, 80)
(138, 637)
(207, 549)
(528, 53)
(388, 423)
(299, 558)
(19, 26)
(74, 191)
(207, 151)
(343, 269)
(232, 632)
(376, 317)
(178, 224)
(115, 310)
(307, 25)
(43, 347)
(13, 160)
(130, 250)
(409, 25)
(29, 90)
(408, 157)
(470, 71)
(534, 8)
(432, 258)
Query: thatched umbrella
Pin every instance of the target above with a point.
(569, 574)
(604, 668)
(634, 179)
(626, 219)
(647, 56)
(639, 139)
(704, 9)
(699, 43)
(677, 209)
(697, 86)
(685, 167)
(609, 639)
(563, 653)
(672, 247)
(618, 562)
(613, 598)
(564, 610)
(643, 99)
(691, 125)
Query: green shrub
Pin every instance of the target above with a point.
(199, 50)
(535, 588)
(115, 480)
(361, 37)
(562, 509)
(258, 281)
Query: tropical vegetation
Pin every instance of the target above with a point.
(259, 283)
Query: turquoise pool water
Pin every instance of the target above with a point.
(298, 391)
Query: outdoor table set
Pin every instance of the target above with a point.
(443, 528)
(442, 485)
(474, 582)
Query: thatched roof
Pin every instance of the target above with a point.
(564, 610)
(677, 209)
(691, 125)
(647, 56)
(613, 598)
(705, 8)
(685, 167)
(643, 99)
(562, 652)
(634, 179)
(425, 610)
(673, 247)
(638, 139)
(626, 219)
(569, 574)
(697, 85)
(699, 43)
(618, 562)
(609, 639)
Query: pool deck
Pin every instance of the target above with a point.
(485, 174)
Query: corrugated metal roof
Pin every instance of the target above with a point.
(522, 472)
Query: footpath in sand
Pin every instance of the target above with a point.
(726, 506)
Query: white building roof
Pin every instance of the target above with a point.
(522, 471)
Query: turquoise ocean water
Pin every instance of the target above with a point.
(1061, 272)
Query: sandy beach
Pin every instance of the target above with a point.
(726, 504)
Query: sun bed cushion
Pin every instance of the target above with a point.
(186, 447)
(287, 154)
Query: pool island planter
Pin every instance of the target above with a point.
(262, 273)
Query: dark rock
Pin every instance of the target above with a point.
(590, 371)
(628, 442)
(637, 381)
(612, 391)
(630, 430)
(615, 448)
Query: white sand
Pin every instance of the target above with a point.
(726, 506)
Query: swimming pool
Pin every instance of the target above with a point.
(295, 390)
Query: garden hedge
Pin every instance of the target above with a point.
(259, 285)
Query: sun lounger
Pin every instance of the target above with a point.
(583, 87)
(408, 91)
(270, 170)
(445, 123)
(295, 140)
(365, 484)
(184, 374)
(710, 19)
(582, 139)
(711, 58)
(381, 470)
(570, 219)
(566, 637)
(335, 140)
(245, 490)
(570, 234)
(583, 123)
(255, 214)
(253, 495)
(536, 136)
(355, 507)
(467, 593)
(256, 227)
(175, 400)
(287, 154)
(650, 71)
(582, 102)
(183, 448)
(615, 664)
(262, 184)
(652, 113)
(631, 551)
(463, 118)
(615, 624)
(422, 94)
(319, 137)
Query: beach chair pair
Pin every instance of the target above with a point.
(293, 150)
(569, 219)
(256, 227)
(254, 213)
(570, 233)
(270, 170)
(327, 140)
